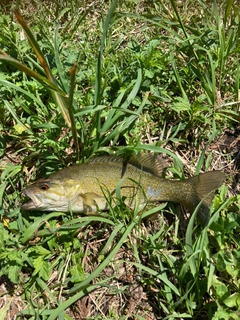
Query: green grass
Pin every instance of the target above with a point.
(119, 78)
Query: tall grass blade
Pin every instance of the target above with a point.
(84, 287)
(178, 78)
(15, 116)
(61, 72)
(25, 92)
(118, 112)
(96, 123)
(109, 16)
(202, 156)
(178, 18)
(3, 186)
(4, 310)
(106, 260)
(76, 24)
(62, 102)
(70, 110)
(66, 304)
(48, 84)
(161, 277)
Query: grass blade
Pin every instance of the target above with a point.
(109, 16)
(84, 286)
(70, 111)
(62, 102)
(48, 84)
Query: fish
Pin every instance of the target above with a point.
(83, 188)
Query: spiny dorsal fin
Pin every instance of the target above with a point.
(151, 163)
(106, 159)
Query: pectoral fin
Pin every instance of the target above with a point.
(92, 202)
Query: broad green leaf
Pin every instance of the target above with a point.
(41, 251)
(38, 264)
(13, 273)
(34, 227)
(233, 301)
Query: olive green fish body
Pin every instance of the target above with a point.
(84, 188)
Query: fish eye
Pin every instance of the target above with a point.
(44, 187)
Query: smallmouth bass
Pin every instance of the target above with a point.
(80, 188)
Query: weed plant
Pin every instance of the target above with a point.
(79, 79)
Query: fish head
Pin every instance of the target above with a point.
(46, 195)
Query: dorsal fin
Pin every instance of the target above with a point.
(148, 162)
(106, 159)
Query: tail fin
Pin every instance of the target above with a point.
(203, 187)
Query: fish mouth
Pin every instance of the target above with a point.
(34, 203)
